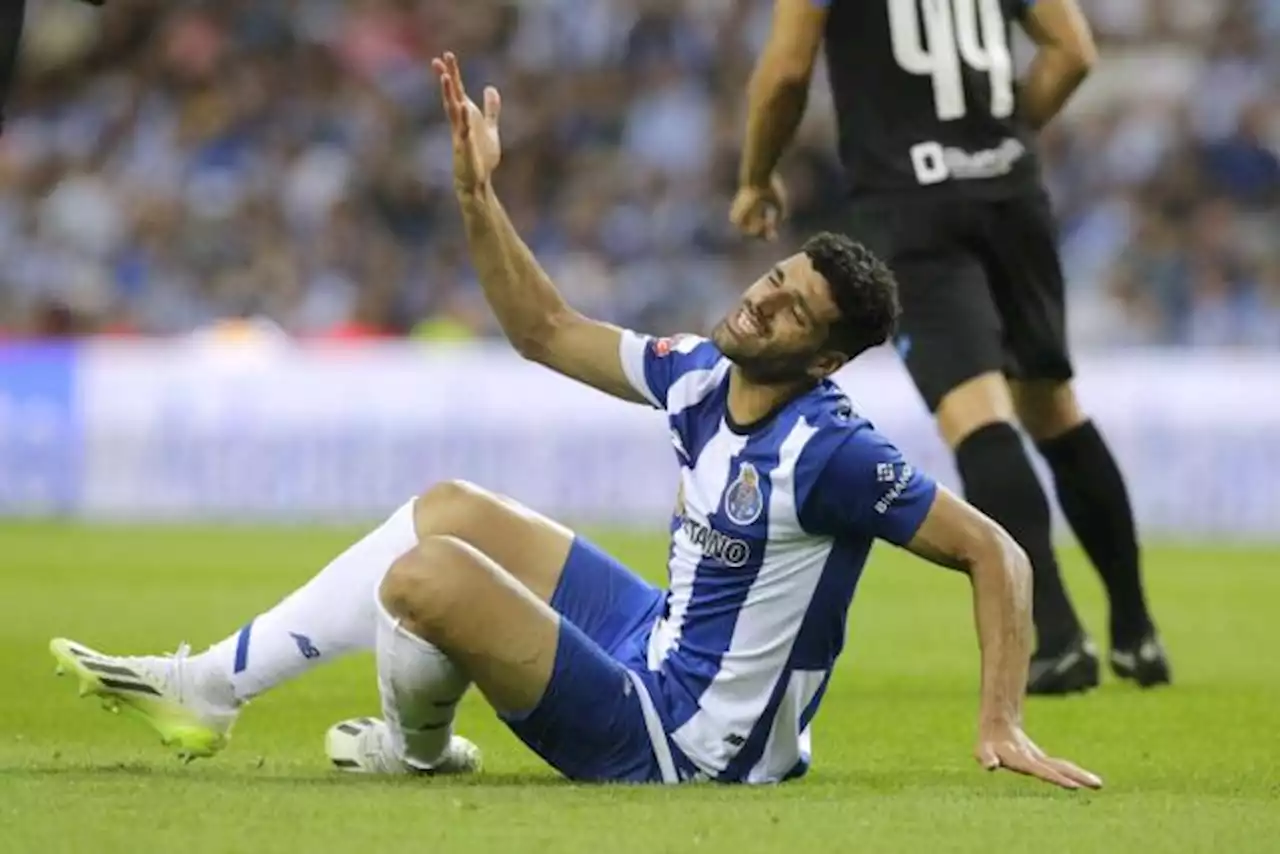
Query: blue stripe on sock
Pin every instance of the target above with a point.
(242, 648)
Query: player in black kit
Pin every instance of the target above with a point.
(12, 15)
(937, 137)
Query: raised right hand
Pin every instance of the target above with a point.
(476, 147)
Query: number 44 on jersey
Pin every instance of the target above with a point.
(933, 37)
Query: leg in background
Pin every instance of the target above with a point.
(952, 343)
(976, 420)
(1016, 238)
(1095, 500)
(12, 15)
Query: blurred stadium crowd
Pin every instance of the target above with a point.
(167, 164)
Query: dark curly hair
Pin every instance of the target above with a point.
(863, 288)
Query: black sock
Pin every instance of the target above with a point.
(999, 481)
(1093, 497)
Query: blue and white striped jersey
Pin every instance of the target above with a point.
(771, 531)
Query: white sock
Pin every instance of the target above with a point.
(420, 690)
(331, 615)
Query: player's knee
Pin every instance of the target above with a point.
(451, 495)
(406, 590)
(973, 405)
(426, 584)
(1047, 408)
(452, 508)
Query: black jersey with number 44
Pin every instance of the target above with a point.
(925, 97)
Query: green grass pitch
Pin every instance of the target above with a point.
(1191, 768)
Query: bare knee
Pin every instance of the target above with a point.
(453, 508)
(1047, 408)
(426, 584)
(972, 405)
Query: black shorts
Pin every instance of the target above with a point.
(980, 283)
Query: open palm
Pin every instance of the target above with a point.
(1009, 747)
(476, 148)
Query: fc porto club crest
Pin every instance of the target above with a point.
(743, 501)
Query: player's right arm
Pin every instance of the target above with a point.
(1065, 53)
(533, 315)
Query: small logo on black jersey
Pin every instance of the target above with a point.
(743, 500)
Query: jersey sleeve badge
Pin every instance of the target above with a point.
(666, 346)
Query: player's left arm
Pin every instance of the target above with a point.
(1065, 54)
(868, 488)
(779, 87)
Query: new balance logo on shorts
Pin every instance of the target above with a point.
(305, 646)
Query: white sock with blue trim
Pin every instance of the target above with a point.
(333, 614)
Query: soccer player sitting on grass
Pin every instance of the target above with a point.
(784, 488)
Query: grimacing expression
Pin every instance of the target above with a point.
(778, 331)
